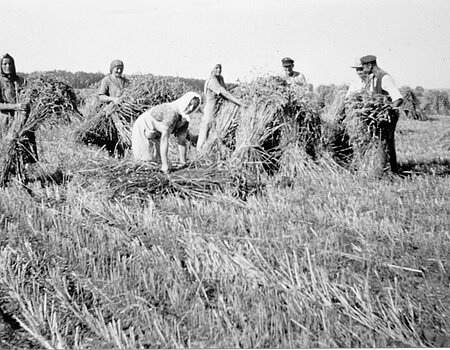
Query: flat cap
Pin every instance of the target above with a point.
(287, 61)
(368, 59)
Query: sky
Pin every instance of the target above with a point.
(248, 37)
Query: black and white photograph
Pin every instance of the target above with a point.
(224, 174)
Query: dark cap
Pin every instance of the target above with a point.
(287, 61)
(368, 59)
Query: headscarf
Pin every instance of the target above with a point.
(114, 64)
(13, 68)
(181, 104)
(219, 78)
(215, 66)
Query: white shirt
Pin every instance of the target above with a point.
(297, 78)
(356, 86)
(387, 84)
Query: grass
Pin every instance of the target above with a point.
(327, 259)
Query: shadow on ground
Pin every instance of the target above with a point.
(434, 167)
(58, 177)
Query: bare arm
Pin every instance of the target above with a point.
(164, 150)
(215, 86)
(106, 98)
(397, 103)
(13, 106)
(230, 97)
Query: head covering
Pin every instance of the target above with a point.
(114, 64)
(181, 104)
(357, 64)
(368, 59)
(287, 61)
(219, 78)
(214, 67)
(13, 68)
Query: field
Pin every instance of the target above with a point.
(328, 259)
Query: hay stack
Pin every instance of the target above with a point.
(51, 101)
(411, 105)
(435, 102)
(277, 116)
(326, 95)
(335, 141)
(110, 125)
(368, 118)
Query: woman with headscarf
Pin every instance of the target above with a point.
(151, 130)
(11, 107)
(215, 89)
(113, 84)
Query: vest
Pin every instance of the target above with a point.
(377, 88)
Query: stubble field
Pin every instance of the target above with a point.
(327, 260)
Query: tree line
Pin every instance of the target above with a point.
(82, 80)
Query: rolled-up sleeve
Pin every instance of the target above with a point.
(104, 88)
(388, 85)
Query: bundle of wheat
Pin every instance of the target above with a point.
(198, 180)
(325, 95)
(84, 96)
(277, 115)
(435, 102)
(411, 105)
(334, 139)
(111, 125)
(369, 118)
(51, 101)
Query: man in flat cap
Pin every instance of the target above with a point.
(292, 76)
(382, 83)
(359, 84)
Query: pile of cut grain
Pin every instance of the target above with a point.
(411, 105)
(110, 125)
(335, 142)
(368, 118)
(129, 180)
(51, 102)
(276, 116)
(435, 102)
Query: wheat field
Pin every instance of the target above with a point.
(328, 259)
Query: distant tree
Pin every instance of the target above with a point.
(78, 80)
(419, 90)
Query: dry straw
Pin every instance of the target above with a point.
(368, 116)
(411, 105)
(435, 102)
(130, 180)
(110, 125)
(276, 116)
(335, 141)
(51, 102)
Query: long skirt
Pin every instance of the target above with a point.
(145, 142)
(205, 123)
